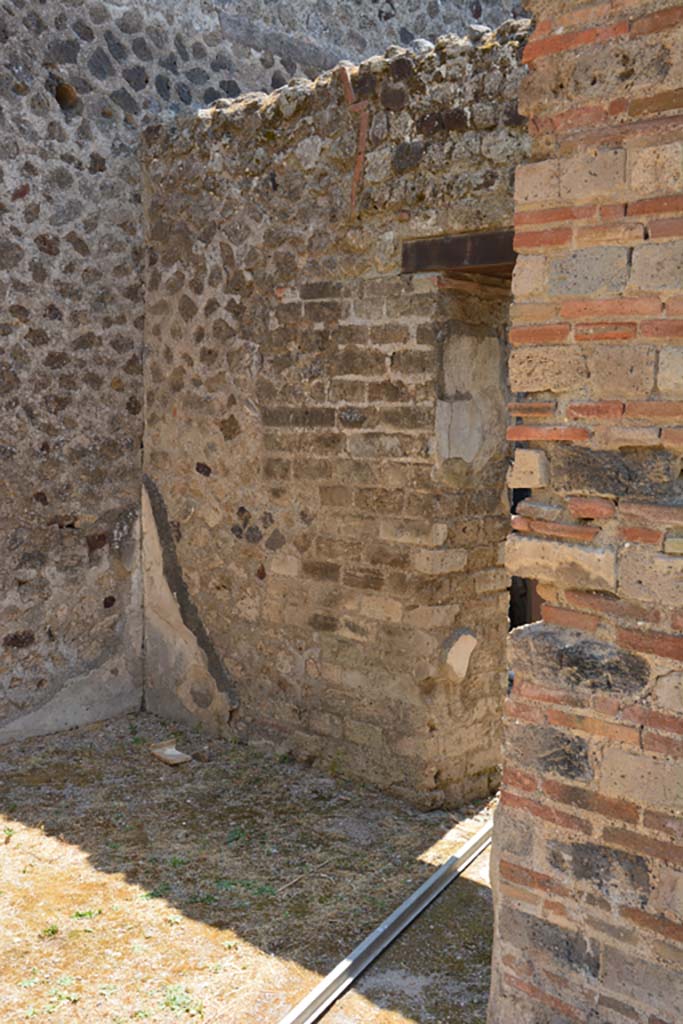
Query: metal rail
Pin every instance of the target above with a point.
(345, 973)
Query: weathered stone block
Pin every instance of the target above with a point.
(645, 780)
(556, 657)
(656, 170)
(435, 560)
(621, 371)
(567, 564)
(591, 174)
(529, 470)
(657, 266)
(601, 270)
(537, 183)
(670, 372)
(554, 368)
(650, 577)
(529, 277)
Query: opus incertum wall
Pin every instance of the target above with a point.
(325, 455)
(78, 81)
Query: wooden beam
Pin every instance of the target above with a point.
(489, 252)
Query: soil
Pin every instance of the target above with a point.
(222, 889)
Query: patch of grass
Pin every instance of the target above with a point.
(30, 982)
(88, 914)
(62, 993)
(179, 1000)
(8, 832)
(207, 898)
(157, 893)
(235, 834)
(49, 931)
(178, 862)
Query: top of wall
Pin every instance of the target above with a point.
(314, 36)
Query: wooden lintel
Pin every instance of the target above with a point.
(484, 252)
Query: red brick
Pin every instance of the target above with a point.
(612, 211)
(672, 437)
(659, 924)
(655, 411)
(595, 410)
(517, 779)
(654, 719)
(520, 712)
(545, 813)
(668, 514)
(591, 508)
(667, 227)
(526, 433)
(618, 106)
(672, 853)
(672, 99)
(570, 531)
(565, 697)
(568, 618)
(660, 822)
(542, 239)
(658, 21)
(674, 305)
(545, 998)
(594, 726)
(605, 332)
(531, 410)
(539, 334)
(588, 800)
(519, 875)
(641, 535)
(580, 117)
(557, 43)
(663, 644)
(520, 523)
(554, 215)
(613, 606)
(656, 743)
(644, 305)
(660, 204)
(661, 328)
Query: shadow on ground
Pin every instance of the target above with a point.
(219, 890)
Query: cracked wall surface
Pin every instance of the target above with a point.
(327, 434)
(79, 81)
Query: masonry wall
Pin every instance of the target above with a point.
(588, 839)
(78, 82)
(325, 454)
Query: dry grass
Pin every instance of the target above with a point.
(218, 891)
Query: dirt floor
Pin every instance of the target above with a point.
(220, 890)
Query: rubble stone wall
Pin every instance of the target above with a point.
(78, 82)
(588, 840)
(324, 453)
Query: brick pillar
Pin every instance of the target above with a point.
(588, 854)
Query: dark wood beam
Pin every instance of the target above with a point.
(489, 252)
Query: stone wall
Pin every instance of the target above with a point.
(324, 447)
(589, 835)
(78, 82)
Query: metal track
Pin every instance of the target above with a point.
(345, 973)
